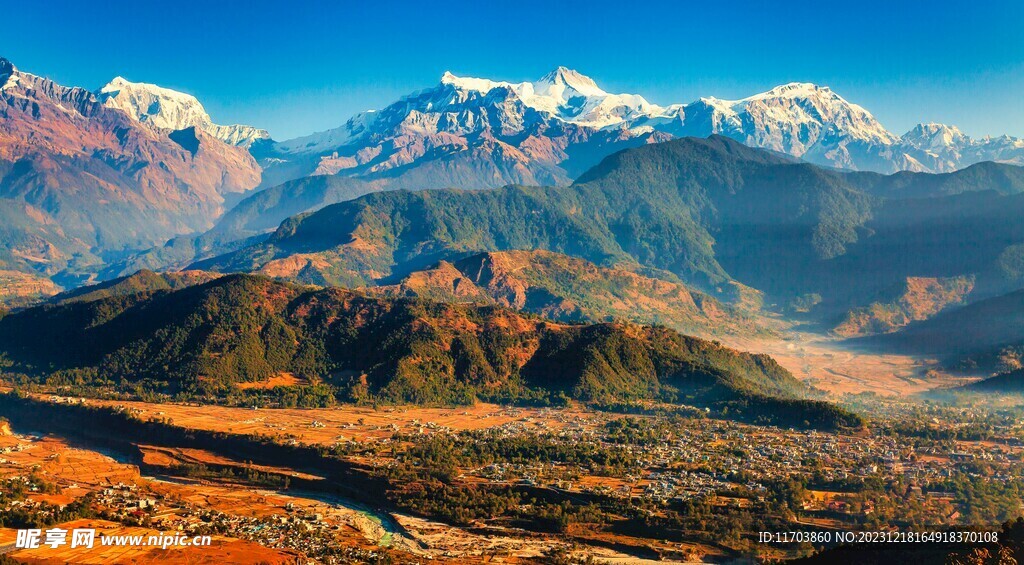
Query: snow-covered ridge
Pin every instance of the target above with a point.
(942, 148)
(569, 96)
(166, 109)
(934, 136)
(790, 118)
(801, 119)
(800, 104)
(561, 96)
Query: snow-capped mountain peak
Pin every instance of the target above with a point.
(934, 136)
(563, 95)
(794, 90)
(161, 108)
(799, 118)
(481, 85)
(558, 81)
(568, 96)
(169, 110)
(553, 85)
(942, 148)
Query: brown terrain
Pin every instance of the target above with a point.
(825, 363)
(18, 288)
(104, 178)
(327, 426)
(281, 379)
(919, 299)
(78, 471)
(569, 289)
(221, 550)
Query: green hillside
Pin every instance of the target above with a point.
(657, 206)
(204, 340)
(266, 209)
(142, 281)
(1011, 382)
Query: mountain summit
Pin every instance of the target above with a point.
(166, 109)
(473, 132)
(800, 119)
(568, 78)
(567, 95)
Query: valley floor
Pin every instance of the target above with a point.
(267, 484)
(257, 518)
(825, 363)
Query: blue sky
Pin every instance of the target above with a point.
(298, 67)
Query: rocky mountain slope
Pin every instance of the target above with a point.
(569, 289)
(85, 183)
(919, 298)
(19, 289)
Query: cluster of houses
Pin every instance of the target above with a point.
(704, 457)
(295, 527)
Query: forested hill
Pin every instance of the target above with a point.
(1011, 382)
(205, 339)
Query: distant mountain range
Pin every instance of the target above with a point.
(478, 133)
